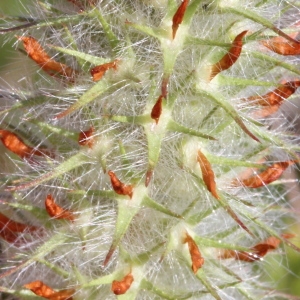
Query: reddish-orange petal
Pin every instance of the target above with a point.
(283, 46)
(78, 4)
(272, 242)
(271, 174)
(196, 257)
(98, 71)
(164, 86)
(255, 253)
(39, 55)
(10, 225)
(9, 236)
(278, 95)
(119, 187)
(178, 17)
(288, 235)
(239, 255)
(86, 137)
(121, 287)
(273, 100)
(157, 109)
(230, 58)
(62, 295)
(16, 145)
(57, 212)
(207, 174)
(41, 289)
(9, 229)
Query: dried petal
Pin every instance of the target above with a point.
(196, 257)
(283, 46)
(86, 137)
(98, 71)
(149, 175)
(57, 212)
(231, 57)
(39, 55)
(266, 111)
(62, 295)
(278, 95)
(164, 86)
(78, 4)
(273, 100)
(9, 229)
(157, 109)
(178, 17)
(207, 174)
(41, 289)
(239, 255)
(121, 287)
(256, 253)
(119, 187)
(15, 144)
(287, 235)
(9, 236)
(7, 224)
(271, 174)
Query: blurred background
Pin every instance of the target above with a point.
(283, 265)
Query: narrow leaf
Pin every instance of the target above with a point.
(95, 60)
(211, 289)
(41, 252)
(124, 218)
(174, 126)
(68, 165)
(228, 209)
(146, 30)
(46, 23)
(95, 91)
(231, 111)
(236, 218)
(113, 40)
(284, 238)
(107, 279)
(259, 19)
(276, 62)
(148, 202)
